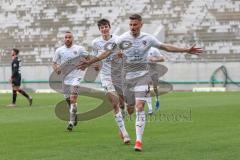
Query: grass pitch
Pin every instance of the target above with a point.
(188, 126)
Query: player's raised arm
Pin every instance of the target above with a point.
(85, 63)
(155, 59)
(172, 48)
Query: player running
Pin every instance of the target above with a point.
(136, 53)
(154, 56)
(71, 82)
(113, 92)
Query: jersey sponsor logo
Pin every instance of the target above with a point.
(111, 46)
(125, 45)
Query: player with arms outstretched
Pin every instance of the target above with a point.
(140, 43)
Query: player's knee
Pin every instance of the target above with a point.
(140, 106)
(113, 99)
(16, 88)
(139, 109)
(116, 110)
(122, 106)
(130, 110)
(73, 99)
(68, 101)
(115, 104)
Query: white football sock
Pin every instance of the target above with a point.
(73, 111)
(140, 124)
(149, 102)
(120, 123)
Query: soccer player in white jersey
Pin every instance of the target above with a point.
(154, 56)
(63, 55)
(137, 53)
(98, 45)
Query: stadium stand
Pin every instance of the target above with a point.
(36, 27)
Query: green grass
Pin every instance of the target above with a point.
(210, 133)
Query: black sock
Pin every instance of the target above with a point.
(23, 93)
(14, 96)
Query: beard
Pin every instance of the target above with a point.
(68, 43)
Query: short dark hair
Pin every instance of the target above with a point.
(103, 22)
(16, 51)
(135, 17)
(68, 32)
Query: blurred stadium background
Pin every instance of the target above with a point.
(188, 126)
(36, 27)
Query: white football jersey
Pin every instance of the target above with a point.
(154, 52)
(98, 45)
(65, 55)
(138, 51)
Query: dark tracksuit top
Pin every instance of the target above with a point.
(16, 74)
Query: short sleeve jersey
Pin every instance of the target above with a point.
(64, 55)
(138, 50)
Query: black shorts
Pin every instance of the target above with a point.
(16, 81)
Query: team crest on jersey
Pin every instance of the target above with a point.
(144, 43)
